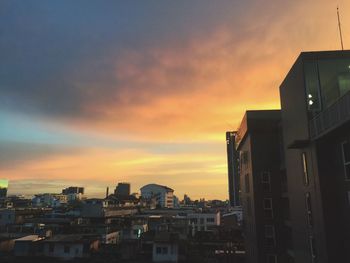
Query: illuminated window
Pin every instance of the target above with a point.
(305, 171)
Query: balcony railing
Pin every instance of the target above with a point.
(330, 118)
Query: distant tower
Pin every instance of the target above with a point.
(107, 192)
(122, 189)
(232, 164)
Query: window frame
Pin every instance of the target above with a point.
(266, 182)
(304, 165)
(268, 208)
(345, 164)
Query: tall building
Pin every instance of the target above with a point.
(122, 189)
(232, 165)
(315, 102)
(259, 143)
(164, 195)
(3, 188)
(73, 190)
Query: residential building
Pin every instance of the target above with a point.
(69, 247)
(258, 141)
(164, 195)
(315, 101)
(232, 165)
(203, 221)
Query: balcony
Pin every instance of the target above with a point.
(332, 117)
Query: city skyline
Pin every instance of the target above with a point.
(94, 94)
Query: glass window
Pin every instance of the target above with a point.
(334, 75)
(268, 207)
(346, 159)
(308, 208)
(312, 249)
(265, 179)
(270, 235)
(164, 250)
(158, 250)
(348, 196)
(305, 171)
(312, 86)
(66, 249)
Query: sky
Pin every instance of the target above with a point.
(93, 93)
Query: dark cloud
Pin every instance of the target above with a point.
(15, 154)
(56, 57)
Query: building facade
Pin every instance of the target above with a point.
(315, 102)
(232, 165)
(259, 144)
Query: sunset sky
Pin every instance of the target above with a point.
(97, 92)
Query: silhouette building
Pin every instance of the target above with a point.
(73, 190)
(122, 189)
(315, 102)
(232, 165)
(295, 166)
(259, 142)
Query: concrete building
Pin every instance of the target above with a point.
(164, 195)
(232, 165)
(165, 247)
(122, 189)
(315, 102)
(69, 247)
(259, 143)
(203, 221)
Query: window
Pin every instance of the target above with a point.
(194, 221)
(51, 248)
(267, 204)
(308, 209)
(346, 159)
(348, 196)
(312, 249)
(158, 250)
(202, 221)
(271, 259)
(266, 181)
(270, 235)
(210, 220)
(305, 172)
(164, 250)
(246, 183)
(66, 249)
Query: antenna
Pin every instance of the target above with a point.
(339, 25)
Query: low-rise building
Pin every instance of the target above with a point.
(70, 246)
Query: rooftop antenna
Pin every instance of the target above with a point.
(339, 25)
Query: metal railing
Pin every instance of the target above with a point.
(330, 118)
